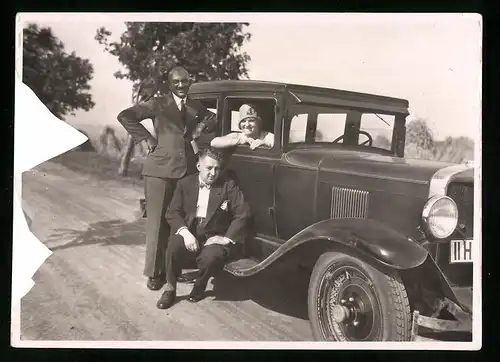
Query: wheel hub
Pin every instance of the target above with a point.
(340, 313)
(351, 311)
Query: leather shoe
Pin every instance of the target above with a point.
(196, 294)
(156, 283)
(166, 300)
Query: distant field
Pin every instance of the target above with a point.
(95, 130)
(456, 150)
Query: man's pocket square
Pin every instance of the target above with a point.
(224, 205)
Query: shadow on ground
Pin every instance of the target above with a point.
(276, 288)
(111, 232)
(281, 288)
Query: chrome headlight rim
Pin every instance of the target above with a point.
(426, 215)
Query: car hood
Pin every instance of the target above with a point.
(466, 176)
(367, 164)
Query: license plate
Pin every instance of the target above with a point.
(461, 251)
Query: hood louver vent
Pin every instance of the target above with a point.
(349, 203)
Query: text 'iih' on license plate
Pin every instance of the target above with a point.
(461, 251)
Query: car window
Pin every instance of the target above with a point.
(298, 128)
(380, 128)
(235, 121)
(330, 126)
(210, 104)
(325, 124)
(265, 108)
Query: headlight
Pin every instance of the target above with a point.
(440, 216)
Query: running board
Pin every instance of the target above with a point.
(246, 267)
(241, 267)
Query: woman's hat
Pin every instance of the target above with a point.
(248, 111)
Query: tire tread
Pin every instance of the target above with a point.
(401, 303)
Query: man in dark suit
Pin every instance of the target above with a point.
(209, 220)
(178, 122)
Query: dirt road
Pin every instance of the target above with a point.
(92, 287)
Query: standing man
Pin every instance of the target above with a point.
(178, 122)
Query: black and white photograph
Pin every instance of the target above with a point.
(285, 180)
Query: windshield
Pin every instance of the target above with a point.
(315, 124)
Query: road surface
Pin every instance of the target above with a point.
(92, 287)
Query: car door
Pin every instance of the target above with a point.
(298, 199)
(294, 198)
(254, 169)
(213, 102)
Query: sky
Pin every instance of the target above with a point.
(433, 60)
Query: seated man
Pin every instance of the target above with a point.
(251, 132)
(209, 218)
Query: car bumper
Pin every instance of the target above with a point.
(434, 329)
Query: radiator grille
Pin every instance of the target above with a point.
(463, 195)
(349, 203)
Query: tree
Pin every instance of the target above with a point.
(208, 51)
(420, 143)
(144, 91)
(60, 80)
(419, 140)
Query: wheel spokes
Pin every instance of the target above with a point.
(351, 309)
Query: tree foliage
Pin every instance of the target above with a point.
(420, 143)
(419, 134)
(60, 80)
(209, 51)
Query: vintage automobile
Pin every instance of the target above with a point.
(388, 240)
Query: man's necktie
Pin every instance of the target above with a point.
(183, 111)
(183, 114)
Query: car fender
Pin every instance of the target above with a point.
(378, 242)
(368, 237)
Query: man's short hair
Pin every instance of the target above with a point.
(212, 153)
(172, 68)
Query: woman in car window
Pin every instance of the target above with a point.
(251, 132)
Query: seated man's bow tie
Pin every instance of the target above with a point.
(204, 185)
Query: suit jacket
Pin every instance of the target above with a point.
(228, 214)
(173, 155)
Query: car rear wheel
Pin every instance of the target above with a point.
(350, 300)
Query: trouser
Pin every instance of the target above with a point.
(159, 195)
(210, 260)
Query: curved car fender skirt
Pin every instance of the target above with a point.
(369, 237)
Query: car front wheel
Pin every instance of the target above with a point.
(350, 300)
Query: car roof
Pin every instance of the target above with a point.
(306, 94)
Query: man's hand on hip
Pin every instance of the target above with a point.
(152, 143)
(189, 240)
(220, 240)
(198, 130)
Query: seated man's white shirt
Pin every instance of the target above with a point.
(202, 204)
(203, 196)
